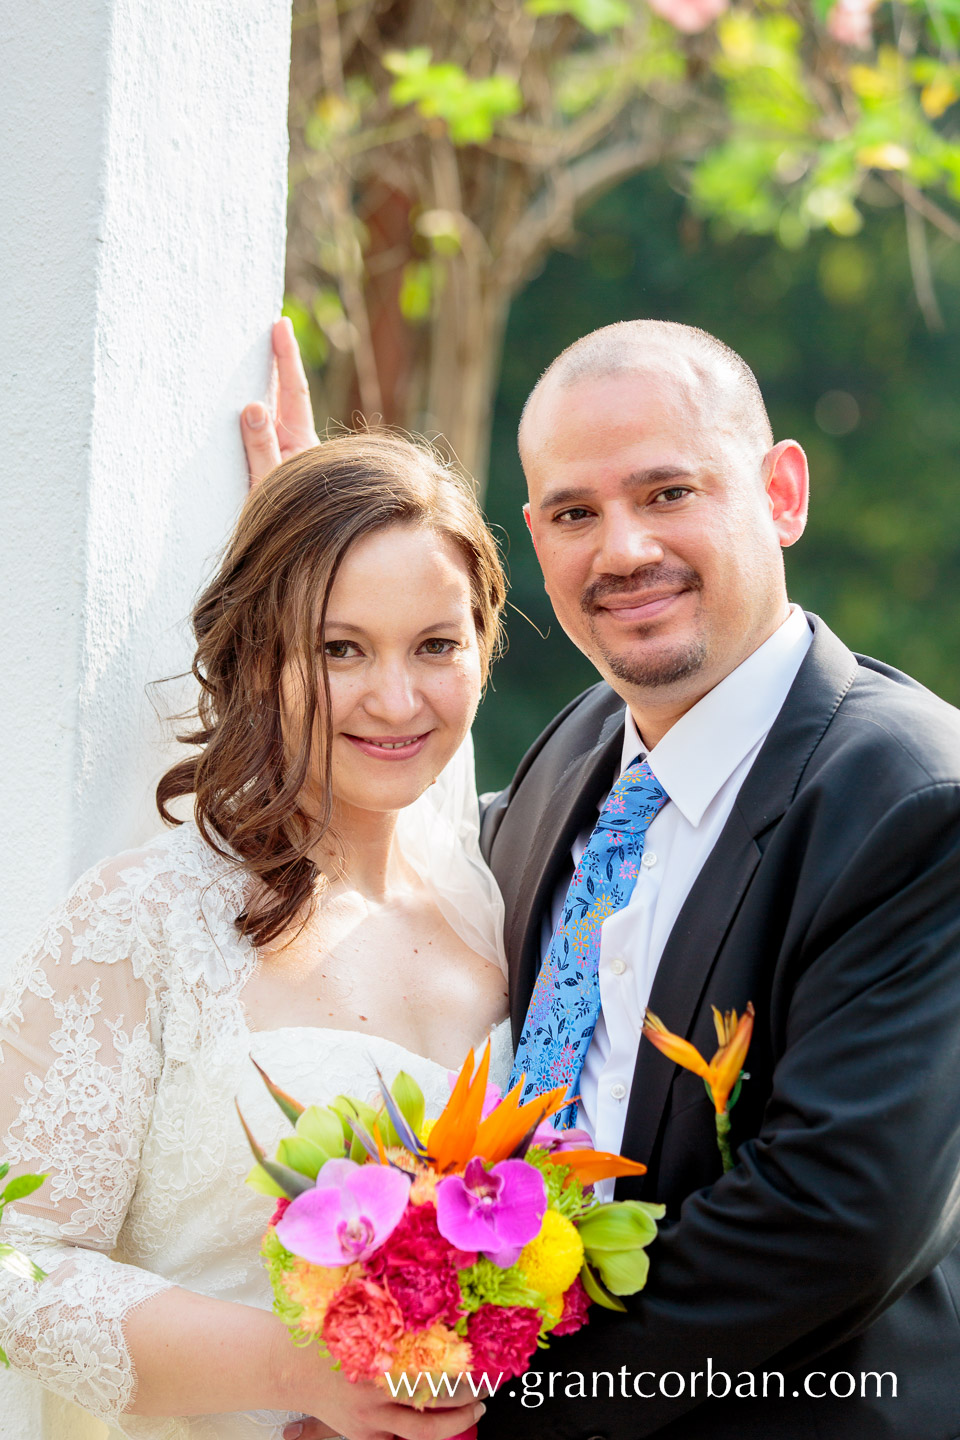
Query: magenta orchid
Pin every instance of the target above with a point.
(495, 1211)
(348, 1215)
(551, 1140)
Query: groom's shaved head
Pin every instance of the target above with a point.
(714, 380)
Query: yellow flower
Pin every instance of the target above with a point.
(552, 1311)
(723, 1071)
(313, 1287)
(552, 1260)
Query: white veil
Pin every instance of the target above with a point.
(440, 836)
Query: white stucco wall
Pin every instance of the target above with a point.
(143, 183)
(142, 224)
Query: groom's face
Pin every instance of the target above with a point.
(658, 524)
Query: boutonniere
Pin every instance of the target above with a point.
(723, 1075)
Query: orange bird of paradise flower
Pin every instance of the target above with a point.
(723, 1071)
(460, 1133)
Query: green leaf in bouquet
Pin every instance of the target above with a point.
(301, 1155)
(4, 1169)
(623, 1272)
(19, 1264)
(355, 1115)
(394, 1127)
(3, 1358)
(290, 1182)
(322, 1128)
(290, 1107)
(20, 1187)
(597, 1293)
(259, 1180)
(614, 1237)
(409, 1098)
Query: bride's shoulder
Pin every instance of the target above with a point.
(172, 896)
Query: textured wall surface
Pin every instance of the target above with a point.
(143, 184)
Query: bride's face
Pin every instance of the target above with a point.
(404, 666)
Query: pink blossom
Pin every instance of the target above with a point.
(549, 1139)
(419, 1268)
(690, 16)
(348, 1215)
(495, 1211)
(576, 1303)
(503, 1338)
(851, 22)
(362, 1329)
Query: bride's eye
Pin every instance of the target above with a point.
(436, 646)
(339, 649)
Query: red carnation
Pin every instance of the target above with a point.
(419, 1268)
(503, 1338)
(576, 1303)
(362, 1329)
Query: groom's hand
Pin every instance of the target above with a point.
(316, 1430)
(269, 438)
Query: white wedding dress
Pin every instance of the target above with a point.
(124, 1044)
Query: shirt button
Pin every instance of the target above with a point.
(618, 966)
(649, 859)
(618, 1091)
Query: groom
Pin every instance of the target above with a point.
(805, 857)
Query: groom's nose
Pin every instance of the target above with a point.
(625, 542)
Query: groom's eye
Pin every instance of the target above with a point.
(673, 493)
(576, 512)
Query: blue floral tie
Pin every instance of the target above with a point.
(565, 1004)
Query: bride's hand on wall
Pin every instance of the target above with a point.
(270, 438)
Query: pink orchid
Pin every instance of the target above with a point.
(551, 1140)
(494, 1211)
(690, 16)
(348, 1215)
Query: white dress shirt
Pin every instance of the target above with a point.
(701, 763)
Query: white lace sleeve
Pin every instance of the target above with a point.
(80, 1059)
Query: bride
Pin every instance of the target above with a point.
(326, 910)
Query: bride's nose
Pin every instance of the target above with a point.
(393, 696)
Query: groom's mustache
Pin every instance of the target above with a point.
(639, 586)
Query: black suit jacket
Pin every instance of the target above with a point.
(832, 901)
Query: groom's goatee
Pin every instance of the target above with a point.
(663, 669)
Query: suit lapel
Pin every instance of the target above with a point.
(572, 806)
(694, 944)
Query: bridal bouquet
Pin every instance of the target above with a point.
(418, 1250)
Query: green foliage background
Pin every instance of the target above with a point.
(881, 557)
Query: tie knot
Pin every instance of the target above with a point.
(634, 800)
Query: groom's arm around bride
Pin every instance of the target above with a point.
(827, 892)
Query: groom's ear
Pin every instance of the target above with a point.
(787, 483)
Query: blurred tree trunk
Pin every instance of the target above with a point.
(439, 149)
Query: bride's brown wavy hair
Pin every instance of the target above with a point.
(262, 610)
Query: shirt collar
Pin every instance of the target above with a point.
(698, 754)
